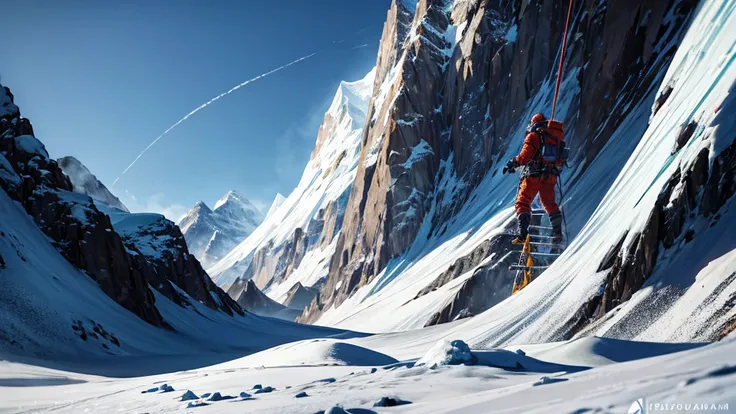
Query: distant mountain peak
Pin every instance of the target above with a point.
(200, 205)
(232, 219)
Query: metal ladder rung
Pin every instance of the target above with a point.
(540, 227)
(539, 236)
(538, 253)
(546, 244)
(519, 267)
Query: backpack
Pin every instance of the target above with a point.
(552, 153)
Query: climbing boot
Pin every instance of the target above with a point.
(556, 220)
(524, 220)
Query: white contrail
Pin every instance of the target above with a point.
(204, 105)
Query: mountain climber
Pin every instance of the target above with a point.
(541, 156)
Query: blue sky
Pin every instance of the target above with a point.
(101, 80)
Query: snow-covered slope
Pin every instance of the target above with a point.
(591, 375)
(52, 310)
(277, 201)
(295, 241)
(85, 182)
(212, 233)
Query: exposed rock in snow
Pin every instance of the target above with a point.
(84, 182)
(189, 396)
(390, 402)
(447, 353)
(211, 234)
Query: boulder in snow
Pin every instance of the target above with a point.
(264, 390)
(448, 353)
(390, 402)
(219, 397)
(189, 396)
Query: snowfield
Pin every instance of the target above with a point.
(649, 352)
(586, 375)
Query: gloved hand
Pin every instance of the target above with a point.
(511, 166)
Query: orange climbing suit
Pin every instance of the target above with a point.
(530, 186)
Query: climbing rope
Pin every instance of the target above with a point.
(562, 61)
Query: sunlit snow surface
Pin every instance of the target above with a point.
(210, 352)
(580, 376)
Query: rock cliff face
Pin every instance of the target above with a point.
(456, 83)
(85, 234)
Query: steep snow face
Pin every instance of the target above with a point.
(296, 238)
(652, 221)
(277, 201)
(211, 234)
(84, 182)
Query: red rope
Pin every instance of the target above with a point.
(562, 61)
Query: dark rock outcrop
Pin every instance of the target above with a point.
(488, 285)
(691, 191)
(83, 233)
(159, 252)
(253, 300)
(461, 266)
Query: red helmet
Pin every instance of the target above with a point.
(537, 118)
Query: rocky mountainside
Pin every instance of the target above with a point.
(295, 241)
(127, 254)
(212, 233)
(423, 239)
(84, 182)
(460, 84)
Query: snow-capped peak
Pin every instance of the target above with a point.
(233, 197)
(353, 98)
(212, 233)
(277, 201)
